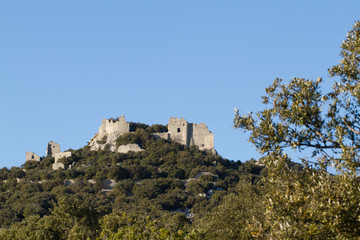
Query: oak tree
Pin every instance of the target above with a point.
(322, 198)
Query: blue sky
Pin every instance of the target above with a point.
(65, 65)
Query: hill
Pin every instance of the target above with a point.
(175, 184)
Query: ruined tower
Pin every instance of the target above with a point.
(189, 134)
(52, 148)
(30, 156)
(109, 131)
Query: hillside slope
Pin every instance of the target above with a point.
(166, 181)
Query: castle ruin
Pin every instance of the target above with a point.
(189, 134)
(58, 165)
(30, 156)
(179, 130)
(52, 150)
(109, 131)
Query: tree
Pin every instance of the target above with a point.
(310, 202)
(233, 218)
(120, 226)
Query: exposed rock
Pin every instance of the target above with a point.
(68, 182)
(57, 166)
(186, 211)
(109, 131)
(30, 156)
(199, 174)
(109, 183)
(129, 147)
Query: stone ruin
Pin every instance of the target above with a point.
(179, 130)
(109, 131)
(189, 134)
(58, 165)
(30, 156)
(52, 150)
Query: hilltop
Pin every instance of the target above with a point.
(171, 173)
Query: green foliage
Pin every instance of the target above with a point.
(157, 128)
(120, 226)
(310, 203)
(235, 217)
(152, 188)
(134, 126)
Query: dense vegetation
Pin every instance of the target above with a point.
(324, 128)
(102, 192)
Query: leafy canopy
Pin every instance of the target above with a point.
(312, 203)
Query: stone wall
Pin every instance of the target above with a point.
(109, 131)
(30, 156)
(118, 125)
(202, 137)
(189, 134)
(179, 130)
(61, 155)
(52, 148)
(57, 165)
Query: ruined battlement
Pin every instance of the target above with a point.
(52, 150)
(179, 130)
(110, 126)
(30, 156)
(189, 134)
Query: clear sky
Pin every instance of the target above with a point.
(65, 65)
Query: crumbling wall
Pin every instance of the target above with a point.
(178, 130)
(189, 134)
(202, 137)
(118, 125)
(61, 155)
(30, 156)
(52, 148)
(109, 131)
(58, 165)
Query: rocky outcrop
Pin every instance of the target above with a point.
(129, 147)
(58, 166)
(109, 131)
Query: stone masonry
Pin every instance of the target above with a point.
(52, 148)
(58, 165)
(189, 134)
(30, 156)
(179, 130)
(109, 131)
